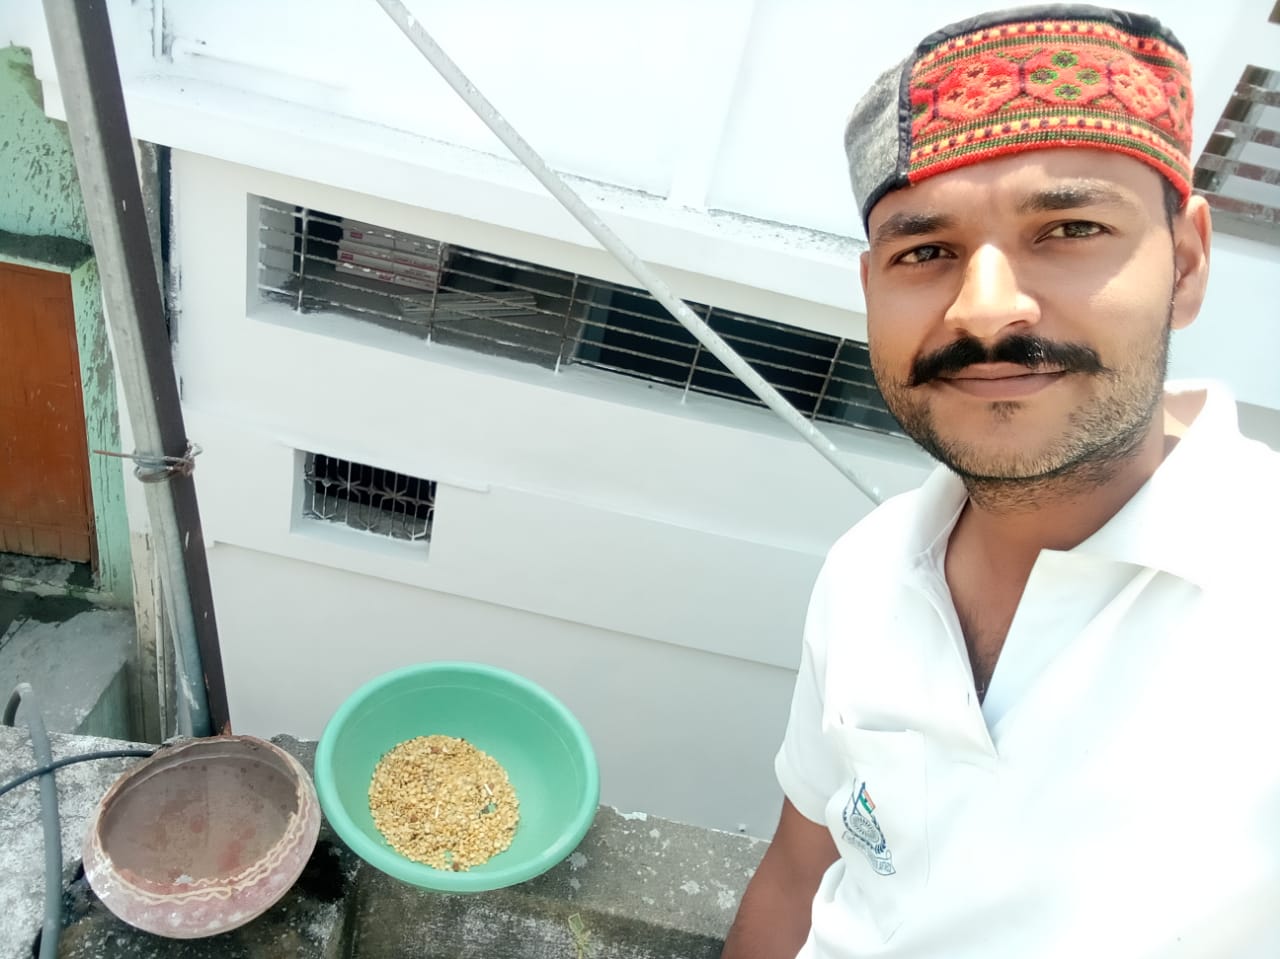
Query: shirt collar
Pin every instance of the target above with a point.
(941, 498)
(1170, 524)
(1174, 522)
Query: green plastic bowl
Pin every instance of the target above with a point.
(536, 739)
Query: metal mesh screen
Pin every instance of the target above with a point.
(367, 498)
(466, 298)
(1239, 171)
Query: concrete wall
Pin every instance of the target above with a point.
(40, 201)
(1240, 317)
(647, 560)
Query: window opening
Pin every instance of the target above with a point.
(367, 498)
(456, 296)
(1239, 170)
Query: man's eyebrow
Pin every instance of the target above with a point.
(1070, 196)
(901, 225)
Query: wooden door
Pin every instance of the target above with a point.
(46, 508)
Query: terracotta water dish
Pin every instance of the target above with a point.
(203, 836)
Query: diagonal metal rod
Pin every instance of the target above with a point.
(84, 55)
(708, 337)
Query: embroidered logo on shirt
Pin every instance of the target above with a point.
(863, 830)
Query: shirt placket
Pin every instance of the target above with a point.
(959, 710)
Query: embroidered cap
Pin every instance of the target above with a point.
(1059, 75)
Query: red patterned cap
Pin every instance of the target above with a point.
(1033, 78)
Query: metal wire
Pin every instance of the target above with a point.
(150, 468)
(610, 241)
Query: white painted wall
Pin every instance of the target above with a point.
(678, 732)
(1226, 342)
(648, 560)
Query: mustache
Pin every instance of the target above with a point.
(1033, 352)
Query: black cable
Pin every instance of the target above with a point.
(70, 760)
(23, 694)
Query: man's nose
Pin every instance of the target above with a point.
(990, 298)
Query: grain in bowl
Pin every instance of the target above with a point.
(440, 801)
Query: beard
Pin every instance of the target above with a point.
(1097, 437)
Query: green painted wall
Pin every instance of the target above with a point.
(39, 192)
(102, 425)
(41, 209)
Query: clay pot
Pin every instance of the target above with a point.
(203, 836)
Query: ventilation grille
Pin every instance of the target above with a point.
(465, 298)
(367, 498)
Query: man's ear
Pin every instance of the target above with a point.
(864, 263)
(1192, 233)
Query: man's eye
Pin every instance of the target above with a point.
(921, 254)
(1075, 230)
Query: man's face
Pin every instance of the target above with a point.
(1018, 310)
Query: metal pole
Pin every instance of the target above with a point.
(84, 54)
(427, 46)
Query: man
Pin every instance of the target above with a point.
(1036, 710)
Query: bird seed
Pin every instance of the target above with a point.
(440, 801)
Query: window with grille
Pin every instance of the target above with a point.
(456, 296)
(367, 498)
(1239, 170)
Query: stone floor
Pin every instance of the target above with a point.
(637, 887)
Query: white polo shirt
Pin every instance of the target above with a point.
(1118, 795)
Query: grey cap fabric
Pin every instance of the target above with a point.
(874, 141)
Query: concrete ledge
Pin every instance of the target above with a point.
(76, 656)
(637, 887)
(21, 837)
(664, 874)
(43, 252)
(310, 922)
(640, 886)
